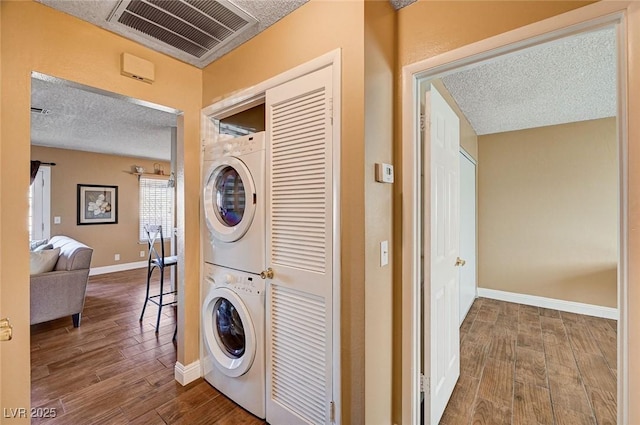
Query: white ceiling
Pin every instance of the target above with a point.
(566, 80)
(86, 120)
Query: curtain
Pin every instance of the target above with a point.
(35, 166)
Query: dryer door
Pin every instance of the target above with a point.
(228, 332)
(229, 199)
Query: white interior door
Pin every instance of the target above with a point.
(442, 239)
(300, 251)
(40, 205)
(467, 233)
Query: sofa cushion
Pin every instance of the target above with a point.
(36, 243)
(43, 247)
(43, 261)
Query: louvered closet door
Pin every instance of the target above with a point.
(299, 249)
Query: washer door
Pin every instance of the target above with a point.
(228, 332)
(229, 199)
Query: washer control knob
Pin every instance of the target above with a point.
(229, 279)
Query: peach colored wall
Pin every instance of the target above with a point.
(37, 38)
(316, 28)
(632, 128)
(1, 308)
(426, 29)
(379, 74)
(548, 212)
(76, 167)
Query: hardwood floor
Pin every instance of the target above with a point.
(114, 369)
(519, 365)
(528, 365)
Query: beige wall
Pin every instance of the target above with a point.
(75, 167)
(379, 39)
(548, 212)
(37, 38)
(316, 28)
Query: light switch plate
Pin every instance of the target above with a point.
(384, 253)
(56, 220)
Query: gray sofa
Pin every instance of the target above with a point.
(61, 292)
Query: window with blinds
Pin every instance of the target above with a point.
(156, 206)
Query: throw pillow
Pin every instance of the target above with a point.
(36, 243)
(43, 261)
(43, 247)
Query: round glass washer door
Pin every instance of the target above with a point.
(228, 332)
(229, 199)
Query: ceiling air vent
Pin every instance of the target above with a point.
(40, 111)
(196, 27)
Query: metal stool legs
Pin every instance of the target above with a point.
(159, 298)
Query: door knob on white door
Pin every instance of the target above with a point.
(267, 274)
(6, 330)
(460, 262)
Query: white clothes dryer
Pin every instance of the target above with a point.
(233, 330)
(234, 203)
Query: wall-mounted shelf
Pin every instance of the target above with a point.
(151, 175)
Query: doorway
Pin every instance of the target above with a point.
(439, 67)
(101, 138)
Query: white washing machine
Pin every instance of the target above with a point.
(234, 203)
(233, 330)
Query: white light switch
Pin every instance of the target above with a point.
(56, 220)
(116, 257)
(384, 253)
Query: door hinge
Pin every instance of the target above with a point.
(330, 100)
(425, 384)
(332, 412)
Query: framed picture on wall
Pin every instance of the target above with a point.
(97, 204)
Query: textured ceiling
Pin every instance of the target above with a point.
(267, 12)
(88, 121)
(567, 80)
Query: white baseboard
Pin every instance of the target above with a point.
(187, 374)
(551, 303)
(117, 268)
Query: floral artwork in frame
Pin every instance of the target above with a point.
(97, 204)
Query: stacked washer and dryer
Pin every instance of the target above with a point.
(233, 311)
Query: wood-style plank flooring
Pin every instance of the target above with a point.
(519, 365)
(528, 365)
(115, 370)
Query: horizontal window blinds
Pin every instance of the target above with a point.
(156, 206)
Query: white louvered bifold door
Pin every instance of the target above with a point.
(299, 250)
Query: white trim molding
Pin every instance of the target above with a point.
(231, 104)
(117, 268)
(187, 374)
(550, 303)
(626, 16)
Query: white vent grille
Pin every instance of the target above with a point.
(299, 184)
(298, 326)
(196, 27)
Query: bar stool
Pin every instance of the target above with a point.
(159, 261)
